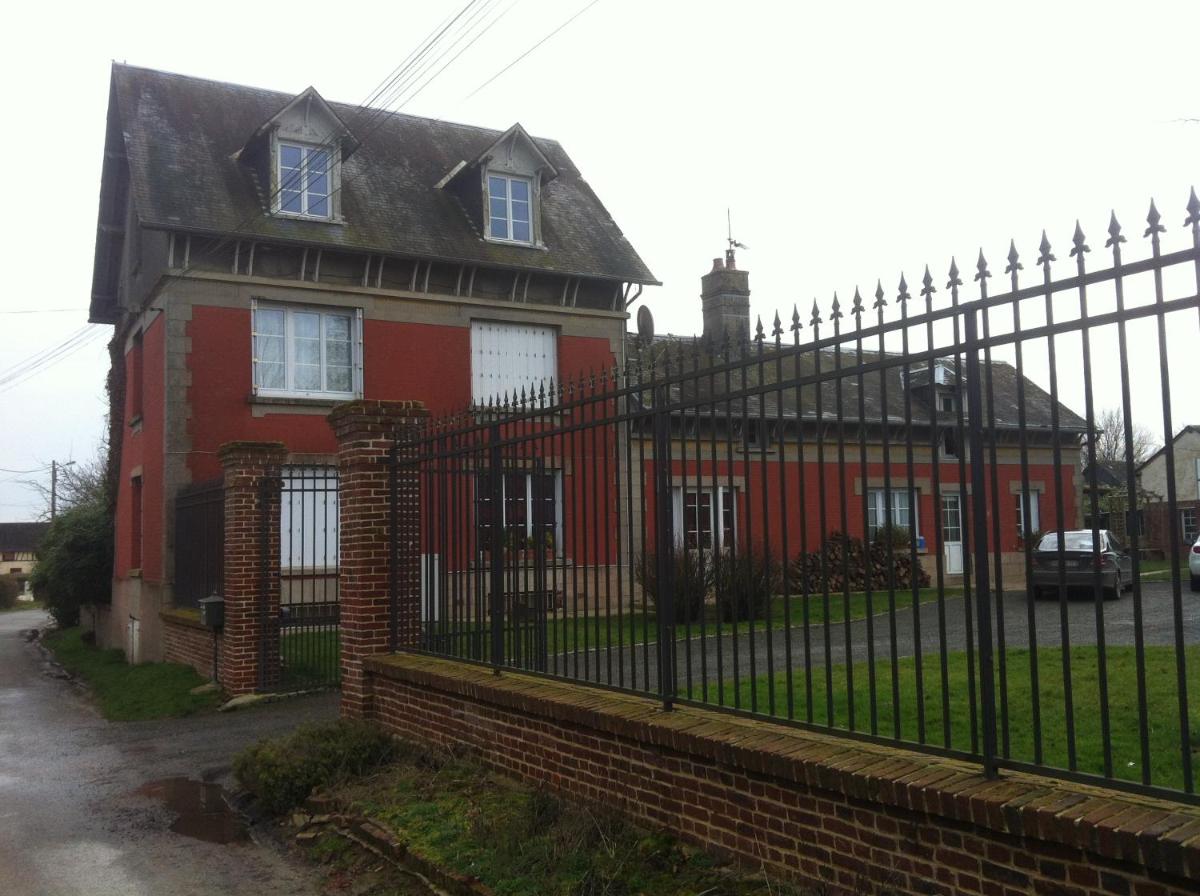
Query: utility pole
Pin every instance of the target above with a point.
(54, 465)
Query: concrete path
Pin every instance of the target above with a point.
(713, 657)
(71, 818)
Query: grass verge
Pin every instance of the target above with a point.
(128, 693)
(23, 605)
(522, 841)
(893, 711)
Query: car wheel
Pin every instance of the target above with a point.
(1196, 583)
(1114, 593)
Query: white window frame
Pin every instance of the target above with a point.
(353, 315)
(305, 151)
(724, 497)
(876, 504)
(528, 501)
(508, 209)
(1035, 513)
(1189, 535)
(496, 359)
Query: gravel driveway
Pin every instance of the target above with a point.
(72, 817)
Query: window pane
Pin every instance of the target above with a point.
(318, 183)
(268, 321)
(500, 228)
(318, 161)
(498, 186)
(271, 375)
(306, 325)
(318, 205)
(520, 231)
(308, 377)
(520, 211)
(337, 326)
(289, 201)
(289, 156)
(337, 353)
(269, 349)
(338, 379)
(499, 208)
(520, 190)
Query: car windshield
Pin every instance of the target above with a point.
(1072, 541)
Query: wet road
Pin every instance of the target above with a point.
(80, 812)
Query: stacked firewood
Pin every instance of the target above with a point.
(848, 563)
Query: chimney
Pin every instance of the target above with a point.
(725, 300)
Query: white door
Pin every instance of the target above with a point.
(952, 534)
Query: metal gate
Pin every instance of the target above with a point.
(305, 622)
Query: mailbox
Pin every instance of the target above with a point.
(212, 611)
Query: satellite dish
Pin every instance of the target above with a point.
(645, 324)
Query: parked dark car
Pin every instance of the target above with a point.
(1080, 560)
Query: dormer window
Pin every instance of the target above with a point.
(304, 180)
(510, 202)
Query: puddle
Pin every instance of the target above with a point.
(201, 810)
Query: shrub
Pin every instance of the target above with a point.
(9, 591)
(281, 772)
(896, 537)
(693, 581)
(745, 582)
(75, 562)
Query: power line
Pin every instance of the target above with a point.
(377, 116)
(40, 310)
(15, 377)
(530, 50)
(393, 87)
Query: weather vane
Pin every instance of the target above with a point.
(733, 244)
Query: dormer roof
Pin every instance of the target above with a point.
(184, 135)
(324, 124)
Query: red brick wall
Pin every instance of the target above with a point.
(844, 816)
(186, 641)
(245, 665)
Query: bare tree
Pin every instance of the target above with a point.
(1110, 440)
(79, 483)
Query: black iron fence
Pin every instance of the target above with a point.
(199, 542)
(306, 624)
(868, 521)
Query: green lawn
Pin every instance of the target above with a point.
(310, 658)
(130, 693)
(580, 631)
(1166, 761)
(23, 605)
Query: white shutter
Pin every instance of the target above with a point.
(506, 358)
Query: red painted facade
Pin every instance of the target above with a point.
(142, 455)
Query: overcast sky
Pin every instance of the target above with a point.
(852, 141)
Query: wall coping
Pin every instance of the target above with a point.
(1160, 834)
(183, 616)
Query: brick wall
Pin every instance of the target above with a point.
(188, 642)
(250, 660)
(366, 433)
(843, 816)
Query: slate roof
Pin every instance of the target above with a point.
(21, 536)
(181, 134)
(1038, 405)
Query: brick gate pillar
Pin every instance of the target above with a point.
(250, 654)
(366, 432)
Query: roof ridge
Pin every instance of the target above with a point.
(285, 96)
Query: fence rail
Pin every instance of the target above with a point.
(199, 542)
(869, 523)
